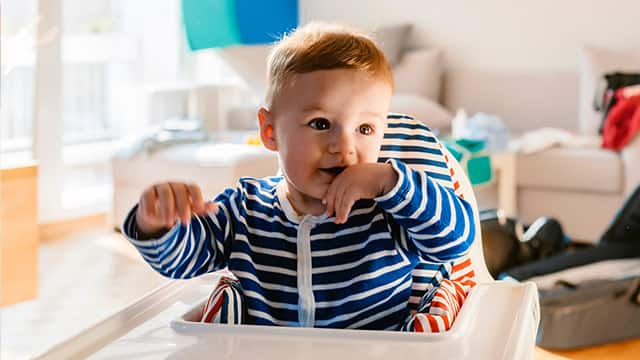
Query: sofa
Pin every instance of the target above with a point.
(581, 187)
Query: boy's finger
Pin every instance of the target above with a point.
(161, 213)
(167, 204)
(339, 193)
(183, 206)
(330, 198)
(346, 209)
(196, 198)
(148, 202)
(342, 206)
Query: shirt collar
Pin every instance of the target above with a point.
(289, 211)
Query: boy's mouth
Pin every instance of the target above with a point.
(335, 171)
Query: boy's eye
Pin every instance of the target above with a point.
(320, 124)
(365, 129)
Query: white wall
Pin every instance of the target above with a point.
(497, 34)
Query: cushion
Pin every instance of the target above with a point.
(420, 72)
(392, 40)
(249, 62)
(423, 109)
(573, 169)
(594, 63)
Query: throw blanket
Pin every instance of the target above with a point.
(541, 139)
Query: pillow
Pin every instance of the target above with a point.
(249, 62)
(420, 72)
(594, 63)
(392, 40)
(423, 109)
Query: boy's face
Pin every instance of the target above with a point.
(322, 122)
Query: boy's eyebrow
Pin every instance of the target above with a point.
(373, 113)
(311, 108)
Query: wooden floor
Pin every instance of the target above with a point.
(87, 276)
(83, 278)
(625, 350)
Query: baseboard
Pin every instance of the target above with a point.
(62, 229)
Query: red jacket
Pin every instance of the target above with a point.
(622, 123)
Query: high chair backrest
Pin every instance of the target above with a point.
(476, 253)
(410, 140)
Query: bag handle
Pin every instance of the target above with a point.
(634, 291)
(566, 284)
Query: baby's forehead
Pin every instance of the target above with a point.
(327, 83)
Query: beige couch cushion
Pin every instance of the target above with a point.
(574, 169)
(423, 109)
(393, 40)
(420, 72)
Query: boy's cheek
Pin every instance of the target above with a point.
(372, 154)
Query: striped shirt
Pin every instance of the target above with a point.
(308, 271)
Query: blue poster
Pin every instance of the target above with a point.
(221, 23)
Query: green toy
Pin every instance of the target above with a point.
(473, 157)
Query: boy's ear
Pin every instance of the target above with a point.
(267, 131)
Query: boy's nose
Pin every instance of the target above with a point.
(342, 144)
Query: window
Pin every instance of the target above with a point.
(110, 54)
(19, 20)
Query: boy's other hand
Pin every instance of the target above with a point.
(162, 204)
(360, 181)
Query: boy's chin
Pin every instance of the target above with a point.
(311, 192)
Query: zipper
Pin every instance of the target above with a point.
(306, 302)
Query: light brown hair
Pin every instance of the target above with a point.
(322, 46)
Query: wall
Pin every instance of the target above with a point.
(497, 34)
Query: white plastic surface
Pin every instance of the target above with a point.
(498, 321)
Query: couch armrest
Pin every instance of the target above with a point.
(166, 102)
(211, 104)
(631, 161)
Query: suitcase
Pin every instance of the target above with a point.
(590, 313)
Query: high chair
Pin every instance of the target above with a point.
(499, 320)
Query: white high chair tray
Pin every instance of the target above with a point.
(498, 321)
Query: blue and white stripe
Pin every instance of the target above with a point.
(312, 272)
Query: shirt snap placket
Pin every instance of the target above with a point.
(306, 302)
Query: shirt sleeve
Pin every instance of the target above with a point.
(436, 223)
(188, 251)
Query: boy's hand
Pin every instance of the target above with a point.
(162, 204)
(361, 181)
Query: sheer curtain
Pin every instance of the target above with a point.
(75, 79)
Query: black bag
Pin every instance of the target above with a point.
(621, 240)
(605, 96)
(625, 226)
(507, 242)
